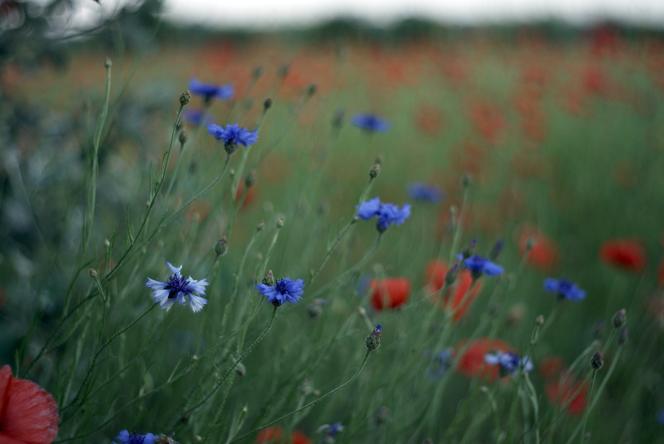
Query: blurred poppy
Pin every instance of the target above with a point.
(390, 293)
(28, 413)
(274, 435)
(428, 120)
(543, 252)
(624, 253)
(568, 393)
(458, 297)
(551, 367)
(472, 362)
(248, 197)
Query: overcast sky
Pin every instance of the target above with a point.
(271, 13)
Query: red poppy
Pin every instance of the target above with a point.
(28, 413)
(472, 363)
(551, 367)
(457, 298)
(274, 435)
(247, 197)
(568, 393)
(391, 292)
(543, 253)
(624, 253)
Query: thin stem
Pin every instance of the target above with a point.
(310, 403)
(331, 249)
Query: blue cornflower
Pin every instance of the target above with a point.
(178, 289)
(370, 123)
(564, 289)
(425, 193)
(195, 117)
(441, 363)
(479, 266)
(233, 135)
(282, 291)
(387, 213)
(331, 430)
(209, 92)
(509, 362)
(124, 437)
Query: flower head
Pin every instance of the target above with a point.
(508, 362)
(472, 361)
(124, 437)
(624, 253)
(209, 92)
(233, 135)
(564, 289)
(178, 289)
(28, 414)
(282, 291)
(370, 123)
(459, 295)
(391, 292)
(425, 193)
(479, 266)
(386, 213)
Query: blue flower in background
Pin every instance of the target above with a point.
(124, 437)
(195, 117)
(370, 123)
(178, 289)
(284, 290)
(209, 92)
(564, 289)
(425, 193)
(386, 213)
(233, 135)
(479, 266)
(509, 362)
(440, 363)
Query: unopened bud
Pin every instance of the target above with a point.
(311, 89)
(267, 104)
(250, 179)
(374, 171)
(182, 138)
(373, 340)
(93, 273)
(539, 320)
(108, 63)
(260, 226)
(185, 97)
(619, 318)
(221, 247)
(597, 361)
(269, 278)
(280, 222)
(466, 180)
(257, 72)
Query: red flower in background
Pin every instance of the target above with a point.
(624, 253)
(248, 197)
(543, 253)
(389, 293)
(28, 413)
(457, 298)
(472, 364)
(551, 367)
(274, 435)
(428, 119)
(569, 394)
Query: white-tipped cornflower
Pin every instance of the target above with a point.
(178, 289)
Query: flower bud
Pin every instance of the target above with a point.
(240, 369)
(260, 226)
(221, 247)
(182, 138)
(539, 320)
(250, 179)
(373, 340)
(620, 318)
(597, 361)
(269, 278)
(185, 97)
(280, 222)
(267, 104)
(311, 89)
(374, 171)
(93, 273)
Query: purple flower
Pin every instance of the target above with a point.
(370, 123)
(178, 289)
(386, 213)
(284, 290)
(425, 193)
(233, 135)
(124, 437)
(564, 289)
(509, 362)
(209, 92)
(479, 266)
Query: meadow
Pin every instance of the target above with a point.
(508, 286)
